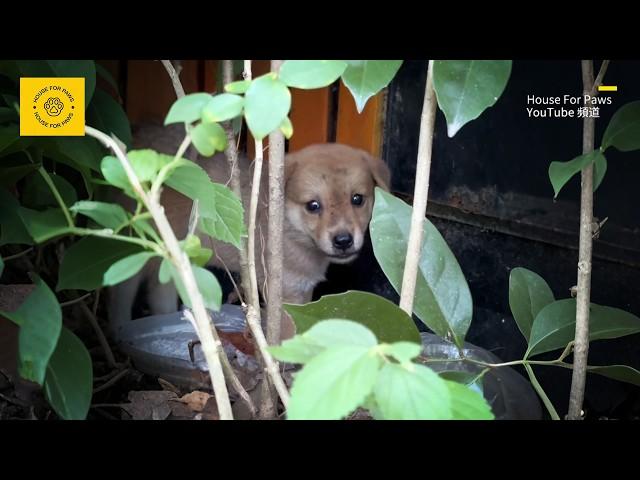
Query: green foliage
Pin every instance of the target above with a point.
(528, 294)
(365, 78)
(310, 74)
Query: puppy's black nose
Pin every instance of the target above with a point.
(343, 241)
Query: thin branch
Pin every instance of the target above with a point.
(112, 381)
(583, 298)
(211, 344)
(193, 222)
(102, 339)
(54, 190)
(599, 78)
(421, 194)
(274, 244)
(75, 300)
(231, 153)
(253, 309)
(18, 255)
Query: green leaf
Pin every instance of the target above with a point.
(384, 318)
(467, 404)
(83, 151)
(224, 106)
(528, 294)
(238, 87)
(309, 74)
(287, 128)
(1, 266)
(106, 75)
(85, 262)
(599, 170)
(412, 392)
(623, 131)
(166, 271)
(336, 332)
(442, 299)
(561, 172)
(40, 321)
(298, 349)
(208, 137)
(187, 109)
(9, 175)
(126, 268)
(466, 88)
(191, 180)
(45, 225)
(402, 351)
(333, 384)
(107, 115)
(226, 221)
(12, 229)
(37, 194)
(554, 327)
(146, 163)
(144, 229)
(365, 78)
(207, 284)
(108, 215)
(622, 373)
(267, 104)
(8, 136)
(68, 386)
(193, 248)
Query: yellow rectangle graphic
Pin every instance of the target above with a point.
(52, 106)
(607, 88)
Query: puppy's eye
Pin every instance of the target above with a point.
(357, 199)
(313, 206)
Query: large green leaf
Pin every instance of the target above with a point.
(466, 88)
(226, 221)
(323, 335)
(561, 172)
(191, 180)
(85, 262)
(267, 104)
(9, 134)
(83, 151)
(37, 193)
(623, 131)
(224, 106)
(40, 321)
(126, 268)
(62, 68)
(12, 229)
(187, 109)
(442, 298)
(208, 137)
(45, 225)
(309, 74)
(68, 386)
(402, 351)
(554, 327)
(106, 115)
(467, 404)
(599, 171)
(528, 294)
(622, 373)
(108, 215)
(384, 318)
(106, 75)
(333, 384)
(10, 174)
(412, 392)
(365, 78)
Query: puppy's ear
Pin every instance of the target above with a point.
(290, 164)
(379, 170)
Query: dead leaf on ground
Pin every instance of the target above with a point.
(149, 405)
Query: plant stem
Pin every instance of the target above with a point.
(583, 298)
(54, 190)
(211, 344)
(541, 393)
(421, 194)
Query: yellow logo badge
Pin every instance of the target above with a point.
(51, 107)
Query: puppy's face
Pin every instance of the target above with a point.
(329, 197)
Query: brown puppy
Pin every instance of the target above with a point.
(329, 194)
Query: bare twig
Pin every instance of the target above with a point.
(112, 381)
(75, 300)
(253, 309)
(102, 339)
(231, 153)
(421, 193)
(583, 298)
(193, 222)
(599, 78)
(211, 345)
(274, 244)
